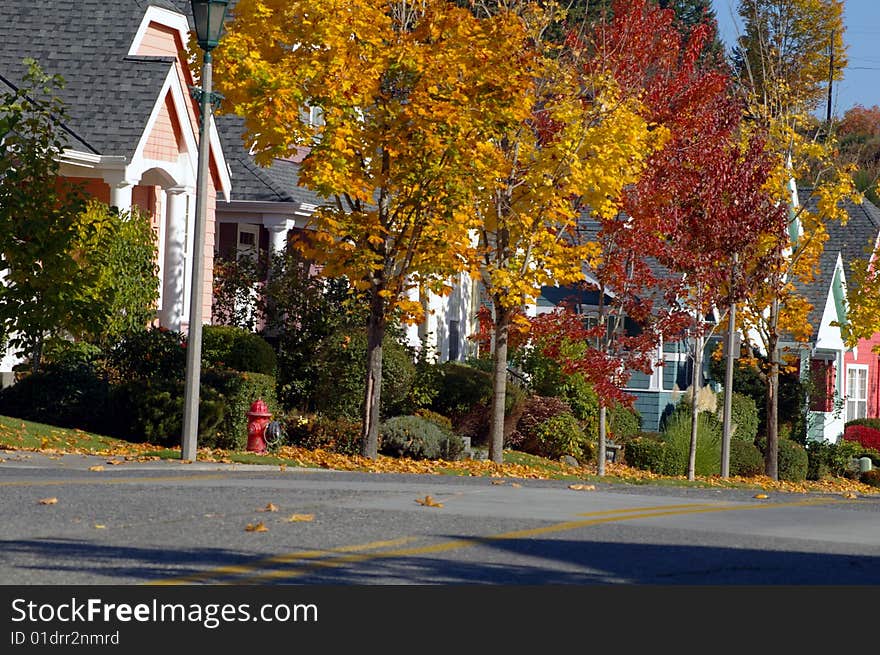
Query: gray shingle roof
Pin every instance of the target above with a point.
(108, 95)
(278, 182)
(852, 241)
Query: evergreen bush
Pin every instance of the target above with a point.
(743, 416)
(338, 435)
(649, 453)
(745, 459)
(341, 373)
(561, 435)
(792, 461)
(418, 438)
(226, 346)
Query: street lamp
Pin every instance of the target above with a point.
(208, 16)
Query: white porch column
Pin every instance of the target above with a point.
(174, 264)
(278, 228)
(120, 195)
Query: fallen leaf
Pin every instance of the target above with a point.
(256, 527)
(761, 496)
(427, 501)
(282, 467)
(515, 484)
(48, 501)
(96, 468)
(497, 481)
(100, 526)
(582, 487)
(297, 518)
(850, 495)
(271, 507)
(115, 462)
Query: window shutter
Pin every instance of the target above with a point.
(822, 374)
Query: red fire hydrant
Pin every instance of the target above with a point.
(258, 418)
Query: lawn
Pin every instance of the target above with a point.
(18, 434)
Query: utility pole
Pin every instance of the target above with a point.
(728, 376)
(830, 84)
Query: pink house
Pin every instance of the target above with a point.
(132, 125)
(845, 382)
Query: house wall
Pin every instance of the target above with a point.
(165, 142)
(865, 356)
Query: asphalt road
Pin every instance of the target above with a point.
(167, 523)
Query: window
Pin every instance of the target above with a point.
(822, 372)
(856, 392)
(453, 341)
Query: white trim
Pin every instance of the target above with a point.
(828, 336)
(189, 139)
(161, 16)
(864, 390)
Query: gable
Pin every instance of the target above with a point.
(165, 139)
(833, 312)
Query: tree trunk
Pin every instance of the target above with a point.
(37, 354)
(695, 411)
(499, 385)
(373, 387)
(600, 456)
(772, 450)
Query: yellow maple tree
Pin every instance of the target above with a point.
(412, 95)
(580, 144)
(781, 82)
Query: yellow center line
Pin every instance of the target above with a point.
(455, 544)
(281, 559)
(268, 563)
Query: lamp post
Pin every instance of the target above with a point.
(208, 16)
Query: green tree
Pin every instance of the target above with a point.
(124, 270)
(42, 288)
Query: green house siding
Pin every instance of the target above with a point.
(639, 380)
(651, 406)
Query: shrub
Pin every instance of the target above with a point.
(465, 397)
(792, 461)
(341, 373)
(418, 438)
(437, 419)
(154, 354)
(651, 454)
(871, 478)
(152, 411)
(826, 459)
(337, 435)
(870, 422)
(461, 388)
(237, 391)
(866, 436)
(427, 380)
(623, 422)
(677, 434)
(743, 416)
(745, 459)
(226, 346)
(536, 410)
(561, 435)
(67, 394)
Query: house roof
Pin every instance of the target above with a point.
(852, 241)
(278, 182)
(108, 94)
